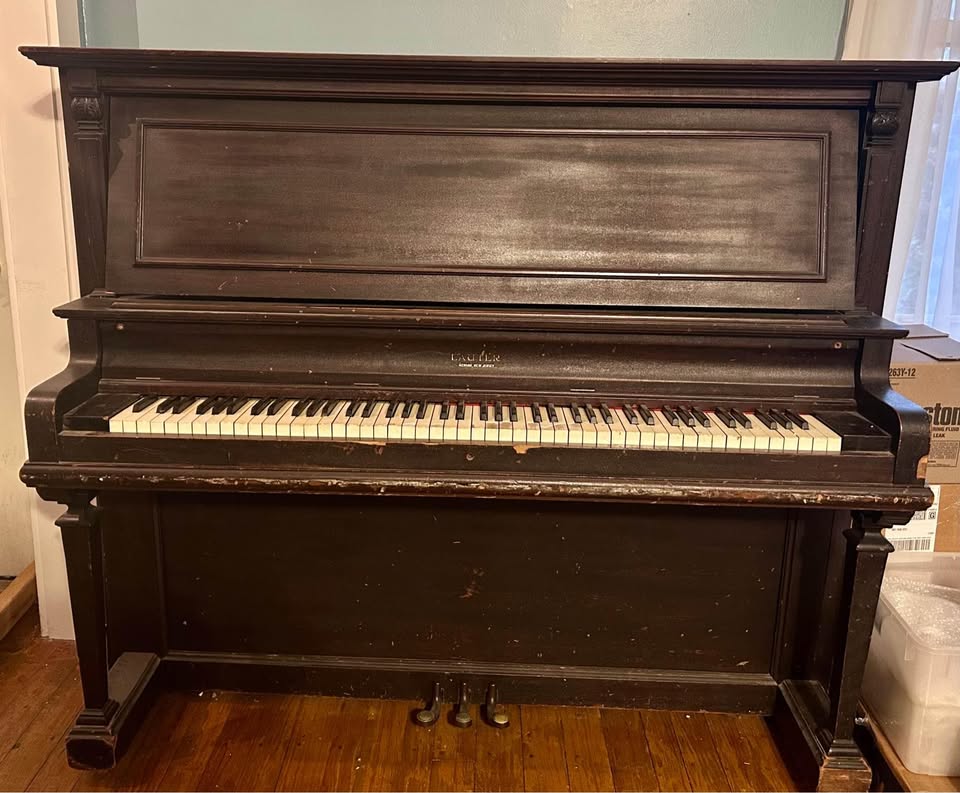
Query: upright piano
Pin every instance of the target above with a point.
(509, 381)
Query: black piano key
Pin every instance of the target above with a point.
(444, 411)
(392, 408)
(353, 407)
(258, 408)
(422, 411)
(209, 402)
(670, 416)
(782, 420)
(552, 412)
(220, 406)
(235, 405)
(535, 410)
(575, 411)
(764, 419)
(498, 411)
(302, 405)
(461, 411)
(328, 407)
(407, 409)
(513, 412)
(632, 417)
(726, 418)
(700, 416)
(143, 403)
(167, 404)
(183, 403)
(484, 411)
(605, 412)
(315, 405)
(685, 416)
(647, 416)
(590, 413)
(277, 405)
(368, 409)
(742, 420)
(801, 422)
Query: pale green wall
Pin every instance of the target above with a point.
(599, 28)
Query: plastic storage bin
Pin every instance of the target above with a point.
(912, 680)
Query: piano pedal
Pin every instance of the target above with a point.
(426, 717)
(461, 715)
(495, 713)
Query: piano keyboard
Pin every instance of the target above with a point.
(628, 426)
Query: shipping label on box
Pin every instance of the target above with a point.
(920, 534)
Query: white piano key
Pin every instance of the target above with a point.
(518, 427)
(449, 431)
(466, 424)
(663, 431)
(732, 441)
(330, 426)
(532, 427)
(283, 425)
(408, 425)
(833, 442)
(422, 427)
(632, 434)
(618, 432)
(395, 424)
(602, 429)
(368, 425)
(145, 417)
(791, 441)
(124, 417)
(690, 438)
(435, 422)
(575, 436)
(381, 426)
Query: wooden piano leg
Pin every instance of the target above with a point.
(113, 699)
(866, 558)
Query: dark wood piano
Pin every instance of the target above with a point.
(552, 381)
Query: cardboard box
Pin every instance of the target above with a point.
(927, 371)
(925, 368)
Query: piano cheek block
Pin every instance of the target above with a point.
(343, 416)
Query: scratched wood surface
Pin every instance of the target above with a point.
(229, 741)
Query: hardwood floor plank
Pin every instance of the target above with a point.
(401, 753)
(22, 761)
(312, 737)
(665, 751)
(544, 757)
(588, 764)
(249, 752)
(349, 757)
(194, 740)
(499, 764)
(55, 774)
(699, 752)
(734, 754)
(630, 760)
(772, 774)
(453, 763)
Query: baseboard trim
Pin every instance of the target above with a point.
(17, 598)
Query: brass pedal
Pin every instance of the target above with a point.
(425, 717)
(494, 712)
(461, 716)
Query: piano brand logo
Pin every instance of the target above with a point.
(944, 415)
(475, 360)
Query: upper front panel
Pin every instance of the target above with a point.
(484, 203)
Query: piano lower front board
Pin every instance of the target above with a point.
(552, 601)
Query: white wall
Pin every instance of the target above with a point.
(16, 540)
(40, 270)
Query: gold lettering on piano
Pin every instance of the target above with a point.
(475, 360)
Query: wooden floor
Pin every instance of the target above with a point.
(224, 741)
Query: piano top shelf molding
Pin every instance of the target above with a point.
(839, 325)
(396, 68)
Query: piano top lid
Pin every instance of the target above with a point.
(479, 180)
(499, 69)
